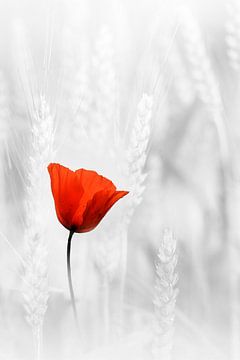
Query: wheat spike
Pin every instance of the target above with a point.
(137, 153)
(203, 77)
(105, 117)
(81, 98)
(107, 254)
(35, 270)
(136, 158)
(4, 135)
(107, 260)
(4, 107)
(181, 81)
(233, 34)
(165, 297)
(201, 68)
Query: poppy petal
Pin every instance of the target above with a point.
(92, 183)
(67, 192)
(115, 197)
(98, 207)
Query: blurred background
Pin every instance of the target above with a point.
(145, 93)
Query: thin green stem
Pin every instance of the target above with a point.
(70, 277)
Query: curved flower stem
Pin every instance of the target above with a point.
(70, 277)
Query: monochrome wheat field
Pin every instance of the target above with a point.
(147, 94)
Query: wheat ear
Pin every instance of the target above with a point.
(105, 116)
(136, 158)
(233, 51)
(165, 298)
(137, 153)
(107, 259)
(233, 34)
(208, 91)
(36, 291)
(182, 83)
(4, 135)
(81, 96)
(203, 77)
(4, 107)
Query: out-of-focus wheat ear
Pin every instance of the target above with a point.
(105, 118)
(81, 96)
(234, 302)
(204, 80)
(35, 276)
(137, 154)
(4, 109)
(208, 91)
(233, 34)
(107, 260)
(77, 91)
(135, 163)
(135, 176)
(232, 39)
(182, 84)
(165, 298)
(4, 136)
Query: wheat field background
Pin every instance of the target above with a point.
(147, 93)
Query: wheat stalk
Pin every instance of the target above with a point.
(36, 291)
(165, 297)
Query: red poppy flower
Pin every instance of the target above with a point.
(82, 197)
